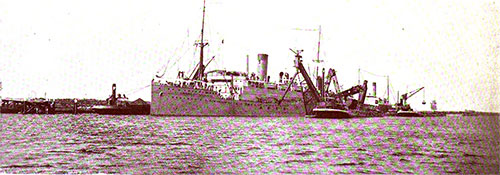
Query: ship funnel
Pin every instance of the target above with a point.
(113, 91)
(374, 89)
(281, 77)
(262, 67)
(320, 83)
(248, 66)
(112, 99)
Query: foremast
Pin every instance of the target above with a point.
(202, 44)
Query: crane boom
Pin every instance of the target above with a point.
(312, 97)
(302, 70)
(361, 89)
(402, 103)
(410, 94)
(310, 94)
(332, 77)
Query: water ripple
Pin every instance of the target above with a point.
(74, 144)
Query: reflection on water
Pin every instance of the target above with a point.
(207, 145)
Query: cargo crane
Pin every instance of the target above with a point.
(342, 97)
(332, 77)
(310, 94)
(402, 105)
(336, 100)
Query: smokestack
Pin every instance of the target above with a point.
(248, 69)
(113, 94)
(281, 77)
(323, 83)
(262, 67)
(113, 90)
(320, 85)
(362, 95)
(374, 89)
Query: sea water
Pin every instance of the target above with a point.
(91, 143)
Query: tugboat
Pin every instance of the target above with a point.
(121, 106)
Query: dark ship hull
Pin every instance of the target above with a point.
(125, 110)
(330, 113)
(10, 111)
(408, 114)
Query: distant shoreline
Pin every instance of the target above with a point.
(464, 113)
(66, 104)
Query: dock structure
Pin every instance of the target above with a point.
(38, 106)
(32, 106)
(48, 106)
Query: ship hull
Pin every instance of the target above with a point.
(330, 113)
(170, 100)
(408, 114)
(129, 110)
(10, 111)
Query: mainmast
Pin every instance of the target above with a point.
(388, 100)
(202, 44)
(317, 56)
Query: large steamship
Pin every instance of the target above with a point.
(226, 93)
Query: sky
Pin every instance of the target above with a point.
(77, 49)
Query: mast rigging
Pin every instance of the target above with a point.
(202, 44)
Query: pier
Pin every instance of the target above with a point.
(48, 106)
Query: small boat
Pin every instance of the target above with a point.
(121, 110)
(408, 114)
(330, 113)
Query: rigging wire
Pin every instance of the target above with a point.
(134, 91)
(194, 60)
(372, 73)
(166, 66)
(395, 97)
(391, 91)
(218, 45)
(179, 58)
